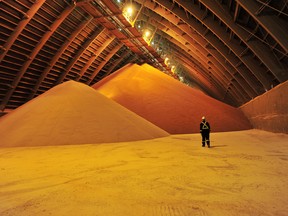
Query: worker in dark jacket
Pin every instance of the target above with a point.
(205, 132)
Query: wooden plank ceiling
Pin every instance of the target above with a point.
(234, 50)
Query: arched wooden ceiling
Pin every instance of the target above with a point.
(234, 50)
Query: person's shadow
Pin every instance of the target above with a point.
(217, 146)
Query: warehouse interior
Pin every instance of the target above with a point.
(100, 105)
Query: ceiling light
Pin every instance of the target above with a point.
(147, 33)
(128, 13)
(147, 36)
(173, 68)
(166, 61)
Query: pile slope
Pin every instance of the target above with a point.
(73, 113)
(168, 103)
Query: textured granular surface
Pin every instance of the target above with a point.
(168, 103)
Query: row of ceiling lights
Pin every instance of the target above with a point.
(131, 16)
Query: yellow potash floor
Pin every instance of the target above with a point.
(244, 173)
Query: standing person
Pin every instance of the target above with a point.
(205, 132)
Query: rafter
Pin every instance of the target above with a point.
(36, 50)
(58, 54)
(104, 62)
(200, 40)
(84, 46)
(277, 28)
(257, 47)
(106, 43)
(17, 31)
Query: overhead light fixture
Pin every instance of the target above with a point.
(166, 61)
(128, 12)
(147, 33)
(131, 13)
(173, 68)
(147, 36)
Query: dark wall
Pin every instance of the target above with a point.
(269, 111)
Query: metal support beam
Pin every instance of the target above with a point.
(197, 56)
(222, 35)
(196, 36)
(277, 28)
(262, 51)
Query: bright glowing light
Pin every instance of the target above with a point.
(166, 61)
(147, 33)
(173, 68)
(147, 36)
(128, 14)
(129, 11)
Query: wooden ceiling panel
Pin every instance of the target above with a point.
(234, 50)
